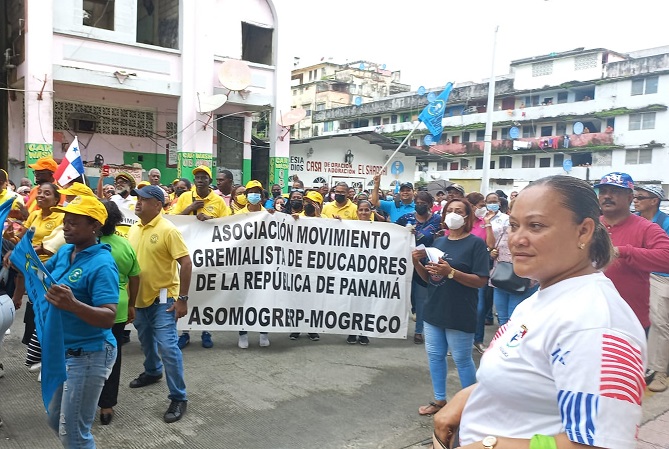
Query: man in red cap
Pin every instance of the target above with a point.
(44, 169)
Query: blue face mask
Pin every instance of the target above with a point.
(493, 207)
(254, 198)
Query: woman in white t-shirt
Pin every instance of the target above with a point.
(566, 371)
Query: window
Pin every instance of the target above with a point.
(386, 121)
(465, 136)
(558, 160)
(494, 135)
(480, 135)
(584, 62)
(464, 163)
(505, 133)
(406, 118)
(560, 129)
(376, 121)
(257, 44)
(456, 139)
(546, 131)
(328, 126)
(641, 86)
(528, 131)
(642, 121)
(454, 166)
(532, 100)
(315, 133)
(544, 162)
(320, 106)
(393, 118)
(479, 163)
(413, 142)
(581, 159)
(529, 161)
(441, 166)
(633, 157)
(492, 165)
(158, 23)
(505, 161)
(542, 68)
(99, 14)
(562, 97)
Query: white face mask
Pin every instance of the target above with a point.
(480, 212)
(454, 221)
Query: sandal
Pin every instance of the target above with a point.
(430, 409)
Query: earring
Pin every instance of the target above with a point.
(581, 246)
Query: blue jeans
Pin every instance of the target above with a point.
(157, 332)
(480, 316)
(419, 298)
(72, 409)
(506, 302)
(437, 342)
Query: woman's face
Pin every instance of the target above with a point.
(46, 196)
(492, 199)
(543, 238)
(78, 229)
(364, 212)
(179, 188)
(279, 204)
(108, 191)
(457, 207)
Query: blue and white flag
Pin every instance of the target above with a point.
(5, 209)
(433, 113)
(48, 321)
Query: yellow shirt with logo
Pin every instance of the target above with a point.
(43, 227)
(245, 210)
(349, 211)
(158, 244)
(214, 206)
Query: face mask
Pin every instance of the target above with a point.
(389, 197)
(340, 198)
(309, 209)
(241, 199)
(296, 205)
(454, 221)
(480, 212)
(276, 194)
(493, 207)
(421, 209)
(254, 198)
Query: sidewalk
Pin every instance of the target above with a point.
(292, 395)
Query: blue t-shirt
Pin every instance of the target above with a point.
(395, 212)
(93, 279)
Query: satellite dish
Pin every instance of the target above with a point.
(209, 103)
(421, 91)
(362, 66)
(383, 67)
(514, 132)
(358, 101)
(431, 97)
(234, 75)
(291, 117)
(578, 128)
(428, 140)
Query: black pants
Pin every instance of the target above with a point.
(109, 395)
(29, 320)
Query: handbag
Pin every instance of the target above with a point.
(505, 278)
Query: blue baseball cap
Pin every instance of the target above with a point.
(617, 179)
(154, 192)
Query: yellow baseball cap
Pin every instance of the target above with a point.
(315, 196)
(85, 205)
(202, 168)
(143, 184)
(253, 183)
(77, 189)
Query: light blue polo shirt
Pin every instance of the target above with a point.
(93, 279)
(395, 212)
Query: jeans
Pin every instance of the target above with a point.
(157, 332)
(109, 395)
(419, 298)
(481, 315)
(436, 345)
(72, 409)
(506, 302)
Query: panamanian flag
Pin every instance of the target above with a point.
(71, 167)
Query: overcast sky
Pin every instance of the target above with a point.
(435, 41)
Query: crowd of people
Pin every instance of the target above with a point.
(596, 294)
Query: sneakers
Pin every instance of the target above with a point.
(184, 339)
(314, 337)
(295, 335)
(264, 340)
(479, 347)
(659, 383)
(363, 340)
(175, 411)
(145, 379)
(206, 340)
(352, 339)
(243, 342)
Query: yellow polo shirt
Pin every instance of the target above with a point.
(214, 206)
(43, 227)
(348, 211)
(158, 244)
(7, 194)
(245, 210)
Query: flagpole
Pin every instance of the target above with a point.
(487, 144)
(400, 145)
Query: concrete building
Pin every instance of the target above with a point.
(128, 77)
(326, 85)
(582, 112)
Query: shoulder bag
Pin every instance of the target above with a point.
(504, 277)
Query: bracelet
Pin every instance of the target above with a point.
(488, 226)
(543, 442)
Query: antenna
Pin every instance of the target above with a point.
(235, 75)
(290, 118)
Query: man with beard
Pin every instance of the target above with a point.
(43, 169)
(123, 185)
(641, 246)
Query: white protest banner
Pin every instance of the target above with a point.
(272, 273)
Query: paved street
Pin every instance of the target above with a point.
(294, 394)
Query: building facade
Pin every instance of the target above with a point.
(141, 82)
(581, 112)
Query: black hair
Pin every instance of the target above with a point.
(114, 218)
(469, 209)
(424, 196)
(580, 198)
(187, 182)
(55, 188)
(227, 173)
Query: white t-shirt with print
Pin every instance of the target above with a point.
(499, 222)
(571, 359)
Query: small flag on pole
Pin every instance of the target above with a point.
(71, 167)
(433, 113)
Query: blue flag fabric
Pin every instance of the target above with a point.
(48, 321)
(433, 113)
(5, 209)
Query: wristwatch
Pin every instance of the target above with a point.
(451, 275)
(183, 298)
(489, 442)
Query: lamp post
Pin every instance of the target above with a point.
(487, 144)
